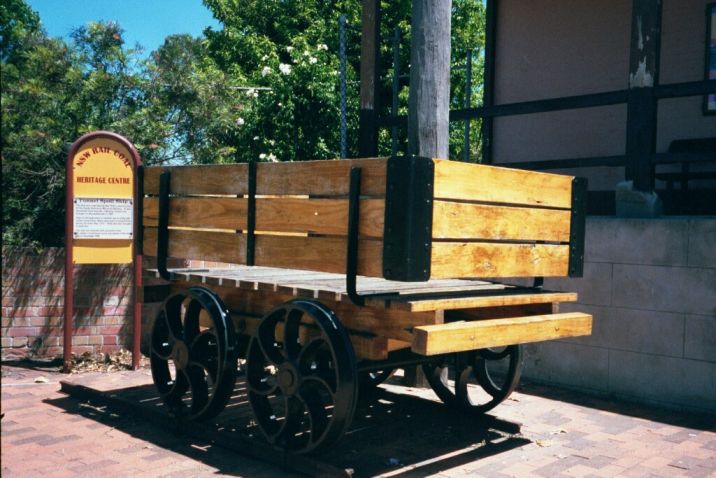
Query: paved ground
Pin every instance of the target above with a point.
(47, 434)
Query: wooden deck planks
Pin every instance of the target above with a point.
(332, 287)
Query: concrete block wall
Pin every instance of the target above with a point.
(33, 286)
(651, 287)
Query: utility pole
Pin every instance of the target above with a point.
(428, 104)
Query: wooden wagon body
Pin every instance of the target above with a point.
(341, 271)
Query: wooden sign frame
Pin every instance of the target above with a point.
(109, 250)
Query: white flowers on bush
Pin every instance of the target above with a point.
(268, 157)
(322, 46)
(284, 68)
(264, 58)
(313, 60)
(289, 49)
(240, 122)
(265, 70)
(252, 93)
(256, 138)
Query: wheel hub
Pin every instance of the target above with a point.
(287, 378)
(180, 355)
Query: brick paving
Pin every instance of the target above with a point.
(47, 434)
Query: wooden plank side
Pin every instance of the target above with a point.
(319, 216)
(324, 254)
(388, 323)
(200, 212)
(453, 220)
(199, 245)
(478, 182)
(366, 347)
(487, 259)
(320, 178)
(200, 179)
(463, 336)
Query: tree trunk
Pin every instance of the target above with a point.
(428, 105)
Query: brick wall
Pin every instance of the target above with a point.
(33, 305)
(651, 287)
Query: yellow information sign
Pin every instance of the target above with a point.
(101, 185)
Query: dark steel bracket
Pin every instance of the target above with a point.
(352, 247)
(163, 229)
(251, 219)
(408, 226)
(577, 227)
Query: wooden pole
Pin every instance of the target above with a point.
(428, 104)
(369, 61)
(642, 105)
(488, 91)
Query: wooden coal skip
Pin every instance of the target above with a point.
(344, 270)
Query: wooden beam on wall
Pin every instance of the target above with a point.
(429, 101)
(369, 79)
(642, 104)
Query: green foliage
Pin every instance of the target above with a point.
(298, 119)
(173, 109)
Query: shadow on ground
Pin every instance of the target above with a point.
(668, 416)
(393, 434)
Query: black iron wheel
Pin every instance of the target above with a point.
(455, 378)
(193, 354)
(302, 378)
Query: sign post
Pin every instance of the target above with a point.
(103, 200)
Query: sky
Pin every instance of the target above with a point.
(146, 22)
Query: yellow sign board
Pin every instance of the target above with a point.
(101, 185)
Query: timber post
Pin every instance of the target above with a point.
(428, 105)
(642, 104)
(369, 80)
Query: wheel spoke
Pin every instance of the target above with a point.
(191, 321)
(317, 399)
(178, 388)
(266, 335)
(162, 339)
(172, 315)
(291, 334)
(199, 388)
(204, 350)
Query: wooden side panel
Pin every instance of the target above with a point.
(318, 216)
(200, 179)
(200, 212)
(320, 178)
(199, 245)
(462, 336)
(315, 216)
(481, 183)
(366, 347)
(478, 259)
(453, 220)
(388, 323)
(324, 254)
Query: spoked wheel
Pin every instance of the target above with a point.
(497, 372)
(193, 356)
(301, 376)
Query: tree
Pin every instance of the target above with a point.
(259, 36)
(52, 93)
